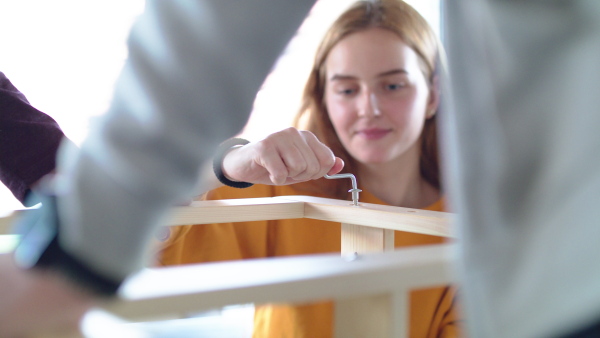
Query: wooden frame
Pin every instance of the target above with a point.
(370, 290)
(286, 207)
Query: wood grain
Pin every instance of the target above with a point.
(236, 210)
(376, 215)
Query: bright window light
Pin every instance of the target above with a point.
(65, 56)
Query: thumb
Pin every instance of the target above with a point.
(337, 167)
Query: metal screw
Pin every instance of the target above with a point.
(354, 189)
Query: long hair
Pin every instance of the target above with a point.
(401, 19)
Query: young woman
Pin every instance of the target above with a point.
(372, 99)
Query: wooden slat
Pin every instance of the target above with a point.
(6, 221)
(371, 316)
(221, 211)
(288, 207)
(170, 291)
(236, 210)
(375, 215)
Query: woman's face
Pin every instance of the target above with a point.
(377, 96)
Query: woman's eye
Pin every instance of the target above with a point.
(394, 86)
(346, 92)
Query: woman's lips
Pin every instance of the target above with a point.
(374, 133)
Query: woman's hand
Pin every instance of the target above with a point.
(285, 157)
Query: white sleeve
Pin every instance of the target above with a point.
(193, 70)
(521, 147)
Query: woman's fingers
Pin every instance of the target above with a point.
(337, 167)
(285, 157)
(304, 155)
(319, 158)
(270, 159)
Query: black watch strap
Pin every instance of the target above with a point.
(39, 248)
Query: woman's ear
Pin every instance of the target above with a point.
(434, 98)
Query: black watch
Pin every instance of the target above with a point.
(39, 248)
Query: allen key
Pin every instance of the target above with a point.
(354, 189)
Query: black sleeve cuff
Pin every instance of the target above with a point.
(218, 162)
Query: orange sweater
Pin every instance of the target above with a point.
(433, 311)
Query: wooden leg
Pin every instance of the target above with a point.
(400, 313)
(379, 316)
(362, 239)
(376, 315)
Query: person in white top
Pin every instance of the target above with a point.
(193, 70)
(521, 161)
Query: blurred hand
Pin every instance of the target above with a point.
(38, 302)
(285, 157)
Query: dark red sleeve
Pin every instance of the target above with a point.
(29, 140)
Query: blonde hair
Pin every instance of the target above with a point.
(401, 19)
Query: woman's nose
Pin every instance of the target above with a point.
(369, 105)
